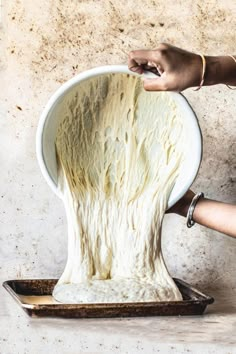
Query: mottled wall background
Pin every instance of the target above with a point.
(44, 43)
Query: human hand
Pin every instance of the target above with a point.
(178, 69)
(182, 206)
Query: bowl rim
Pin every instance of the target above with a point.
(107, 69)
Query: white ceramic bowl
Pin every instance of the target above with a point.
(47, 127)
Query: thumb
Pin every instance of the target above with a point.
(158, 84)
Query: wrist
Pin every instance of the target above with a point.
(194, 202)
(218, 70)
(213, 70)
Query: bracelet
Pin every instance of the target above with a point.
(190, 221)
(231, 56)
(203, 72)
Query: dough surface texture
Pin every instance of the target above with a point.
(119, 151)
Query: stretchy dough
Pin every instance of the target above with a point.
(119, 150)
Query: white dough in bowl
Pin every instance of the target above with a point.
(118, 160)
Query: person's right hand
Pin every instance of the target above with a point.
(182, 205)
(178, 69)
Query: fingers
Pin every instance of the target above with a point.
(158, 84)
(135, 67)
(141, 60)
(137, 59)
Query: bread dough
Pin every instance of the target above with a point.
(119, 150)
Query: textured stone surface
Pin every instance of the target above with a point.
(45, 43)
(209, 334)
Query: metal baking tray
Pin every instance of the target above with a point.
(35, 298)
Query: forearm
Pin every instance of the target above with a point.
(216, 215)
(210, 213)
(220, 70)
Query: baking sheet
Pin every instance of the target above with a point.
(35, 298)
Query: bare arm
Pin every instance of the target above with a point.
(210, 213)
(180, 69)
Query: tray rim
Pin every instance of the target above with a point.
(204, 301)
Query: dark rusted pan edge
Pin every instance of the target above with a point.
(194, 303)
(192, 291)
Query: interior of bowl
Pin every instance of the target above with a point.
(61, 105)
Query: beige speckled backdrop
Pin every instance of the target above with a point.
(44, 43)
